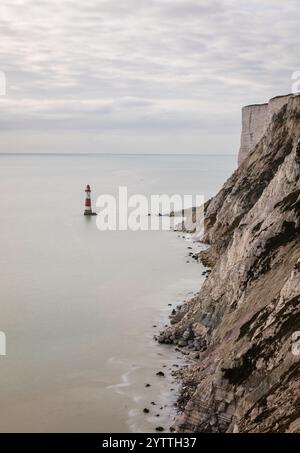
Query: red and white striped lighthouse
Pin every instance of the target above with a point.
(88, 202)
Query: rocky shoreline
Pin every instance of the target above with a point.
(244, 375)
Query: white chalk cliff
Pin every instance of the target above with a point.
(243, 320)
(255, 121)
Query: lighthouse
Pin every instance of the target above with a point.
(88, 202)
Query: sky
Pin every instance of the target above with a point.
(140, 76)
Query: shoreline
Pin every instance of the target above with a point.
(244, 318)
(187, 348)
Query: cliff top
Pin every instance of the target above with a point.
(272, 99)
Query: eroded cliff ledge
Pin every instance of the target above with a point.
(246, 378)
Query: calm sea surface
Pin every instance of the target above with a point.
(78, 305)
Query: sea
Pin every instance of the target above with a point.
(80, 307)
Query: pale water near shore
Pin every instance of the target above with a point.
(78, 306)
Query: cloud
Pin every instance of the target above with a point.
(134, 65)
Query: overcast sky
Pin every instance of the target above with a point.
(140, 75)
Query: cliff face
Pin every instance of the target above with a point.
(255, 121)
(242, 322)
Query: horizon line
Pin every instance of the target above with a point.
(114, 154)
